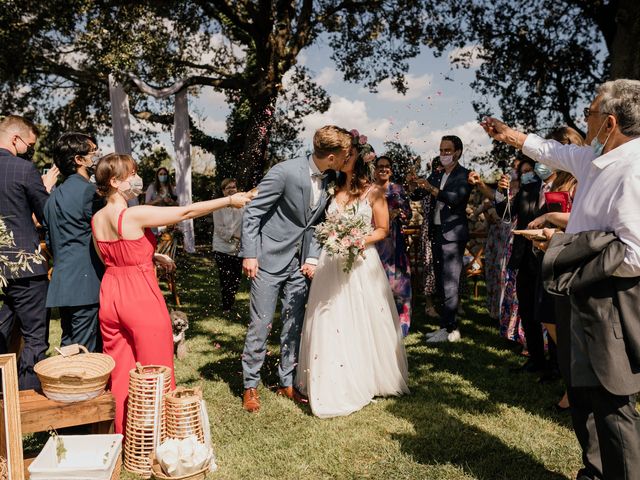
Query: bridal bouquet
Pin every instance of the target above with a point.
(342, 234)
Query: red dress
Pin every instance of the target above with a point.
(134, 320)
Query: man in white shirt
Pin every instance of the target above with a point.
(227, 229)
(607, 200)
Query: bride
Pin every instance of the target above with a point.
(351, 348)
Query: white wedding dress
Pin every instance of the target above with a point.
(351, 348)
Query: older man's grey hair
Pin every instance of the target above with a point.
(621, 98)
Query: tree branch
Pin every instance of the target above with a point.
(198, 137)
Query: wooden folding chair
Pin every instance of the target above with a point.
(168, 245)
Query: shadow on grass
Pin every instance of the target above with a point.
(441, 438)
(481, 360)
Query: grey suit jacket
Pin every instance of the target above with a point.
(279, 223)
(603, 307)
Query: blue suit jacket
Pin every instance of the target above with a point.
(279, 223)
(22, 194)
(455, 197)
(77, 269)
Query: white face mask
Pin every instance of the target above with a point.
(131, 188)
(446, 160)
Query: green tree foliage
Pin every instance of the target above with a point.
(57, 55)
(541, 59)
(404, 158)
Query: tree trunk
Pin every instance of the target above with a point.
(624, 54)
(254, 154)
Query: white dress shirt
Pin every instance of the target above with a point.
(608, 193)
(316, 191)
(227, 227)
(440, 204)
(316, 183)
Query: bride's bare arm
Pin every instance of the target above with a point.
(380, 209)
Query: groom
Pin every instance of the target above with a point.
(280, 254)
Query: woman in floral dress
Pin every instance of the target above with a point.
(392, 250)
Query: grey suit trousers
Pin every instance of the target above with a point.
(265, 290)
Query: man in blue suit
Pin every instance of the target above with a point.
(77, 269)
(23, 193)
(450, 190)
(280, 253)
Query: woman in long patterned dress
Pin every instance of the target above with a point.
(426, 254)
(392, 250)
(502, 301)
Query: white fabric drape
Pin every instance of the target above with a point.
(182, 143)
(181, 140)
(119, 116)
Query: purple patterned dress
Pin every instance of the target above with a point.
(426, 253)
(393, 254)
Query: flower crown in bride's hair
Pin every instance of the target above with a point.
(365, 150)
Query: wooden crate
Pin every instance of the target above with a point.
(39, 414)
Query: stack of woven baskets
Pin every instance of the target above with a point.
(155, 414)
(75, 374)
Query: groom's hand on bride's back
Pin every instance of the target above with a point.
(250, 267)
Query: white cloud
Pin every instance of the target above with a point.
(469, 55)
(418, 86)
(474, 138)
(209, 99)
(213, 126)
(325, 77)
(420, 136)
(348, 114)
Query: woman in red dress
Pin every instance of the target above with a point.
(133, 315)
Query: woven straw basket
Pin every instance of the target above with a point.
(157, 472)
(146, 416)
(73, 376)
(183, 413)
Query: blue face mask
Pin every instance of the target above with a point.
(527, 177)
(542, 171)
(595, 143)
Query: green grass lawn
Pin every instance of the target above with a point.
(467, 417)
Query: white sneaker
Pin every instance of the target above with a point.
(435, 332)
(454, 336)
(439, 336)
(443, 336)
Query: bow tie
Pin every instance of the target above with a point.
(319, 175)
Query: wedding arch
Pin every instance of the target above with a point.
(181, 137)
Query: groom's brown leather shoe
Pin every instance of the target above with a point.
(292, 394)
(251, 400)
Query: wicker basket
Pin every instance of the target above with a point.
(146, 416)
(157, 472)
(73, 376)
(183, 414)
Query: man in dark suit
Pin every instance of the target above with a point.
(77, 269)
(22, 195)
(448, 222)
